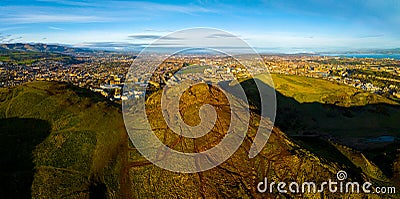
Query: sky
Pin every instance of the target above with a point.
(291, 25)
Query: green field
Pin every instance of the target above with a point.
(306, 89)
(193, 69)
(315, 106)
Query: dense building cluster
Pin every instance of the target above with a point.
(381, 76)
(106, 73)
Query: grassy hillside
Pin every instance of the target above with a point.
(58, 141)
(309, 106)
(307, 90)
(26, 58)
(282, 159)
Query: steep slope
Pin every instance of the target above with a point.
(59, 140)
(282, 159)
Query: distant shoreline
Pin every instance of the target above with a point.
(355, 55)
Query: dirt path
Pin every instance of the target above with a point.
(125, 180)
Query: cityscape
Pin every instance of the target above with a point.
(199, 99)
(105, 72)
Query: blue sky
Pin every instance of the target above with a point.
(308, 25)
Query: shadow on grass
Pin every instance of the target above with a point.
(97, 189)
(55, 87)
(18, 138)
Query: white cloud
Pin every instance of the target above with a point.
(55, 28)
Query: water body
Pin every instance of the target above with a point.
(375, 56)
(385, 138)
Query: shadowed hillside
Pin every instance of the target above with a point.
(16, 162)
(59, 140)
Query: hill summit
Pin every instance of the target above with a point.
(283, 159)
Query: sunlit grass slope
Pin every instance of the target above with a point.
(309, 105)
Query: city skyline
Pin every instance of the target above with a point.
(305, 26)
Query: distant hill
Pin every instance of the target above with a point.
(39, 47)
(365, 51)
(26, 54)
(59, 141)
